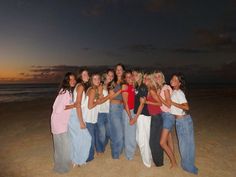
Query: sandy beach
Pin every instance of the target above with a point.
(27, 151)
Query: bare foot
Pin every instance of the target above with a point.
(99, 153)
(173, 165)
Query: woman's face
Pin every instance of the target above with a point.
(158, 78)
(174, 82)
(85, 76)
(129, 78)
(72, 81)
(119, 71)
(96, 80)
(110, 76)
(135, 76)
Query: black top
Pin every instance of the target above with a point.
(141, 91)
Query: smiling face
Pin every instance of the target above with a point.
(135, 76)
(158, 78)
(175, 83)
(119, 71)
(72, 81)
(110, 76)
(129, 78)
(96, 80)
(85, 76)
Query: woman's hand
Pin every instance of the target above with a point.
(82, 125)
(132, 121)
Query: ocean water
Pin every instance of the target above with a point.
(26, 92)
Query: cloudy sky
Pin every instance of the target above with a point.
(40, 39)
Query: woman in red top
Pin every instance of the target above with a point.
(128, 95)
(154, 109)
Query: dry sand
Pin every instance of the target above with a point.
(26, 148)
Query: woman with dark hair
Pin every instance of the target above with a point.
(80, 137)
(128, 95)
(116, 113)
(59, 124)
(184, 123)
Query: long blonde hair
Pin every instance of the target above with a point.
(140, 77)
(153, 85)
(162, 77)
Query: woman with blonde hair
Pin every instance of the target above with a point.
(143, 118)
(168, 119)
(154, 104)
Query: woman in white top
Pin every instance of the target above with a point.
(92, 108)
(79, 135)
(166, 141)
(103, 113)
(184, 123)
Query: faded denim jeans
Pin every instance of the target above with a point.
(116, 129)
(184, 128)
(129, 136)
(102, 132)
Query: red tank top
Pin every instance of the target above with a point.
(153, 109)
(131, 96)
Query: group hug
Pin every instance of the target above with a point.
(126, 108)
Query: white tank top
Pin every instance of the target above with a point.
(90, 115)
(104, 107)
(83, 100)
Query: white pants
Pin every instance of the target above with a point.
(142, 138)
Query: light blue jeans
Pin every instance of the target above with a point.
(184, 128)
(80, 140)
(102, 132)
(116, 130)
(92, 128)
(129, 136)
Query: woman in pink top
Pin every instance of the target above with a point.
(59, 124)
(168, 119)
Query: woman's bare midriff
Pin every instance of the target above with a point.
(116, 102)
(180, 116)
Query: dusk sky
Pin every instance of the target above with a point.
(39, 39)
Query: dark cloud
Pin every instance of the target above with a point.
(209, 38)
(189, 50)
(159, 5)
(194, 73)
(140, 48)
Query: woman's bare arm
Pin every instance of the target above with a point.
(140, 109)
(91, 98)
(80, 90)
(125, 100)
(183, 106)
(167, 100)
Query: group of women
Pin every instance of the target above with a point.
(127, 108)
